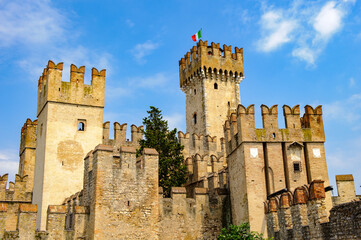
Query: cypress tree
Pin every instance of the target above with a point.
(172, 168)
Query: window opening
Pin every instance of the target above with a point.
(215, 86)
(81, 126)
(296, 167)
(195, 91)
(195, 118)
(273, 135)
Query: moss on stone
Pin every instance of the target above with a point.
(88, 90)
(65, 87)
(307, 134)
(260, 134)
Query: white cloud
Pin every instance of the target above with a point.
(141, 50)
(329, 20)
(344, 111)
(30, 22)
(277, 30)
(9, 162)
(305, 53)
(35, 62)
(39, 30)
(175, 120)
(306, 26)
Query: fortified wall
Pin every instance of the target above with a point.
(209, 76)
(204, 157)
(263, 161)
(121, 200)
(302, 215)
(120, 135)
(70, 118)
(116, 195)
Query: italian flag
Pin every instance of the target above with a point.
(197, 36)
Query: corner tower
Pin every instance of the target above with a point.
(210, 77)
(70, 124)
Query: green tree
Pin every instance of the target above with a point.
(172, 169)
(243, 232)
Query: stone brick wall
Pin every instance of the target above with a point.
(210, 77)
(120, 135)
(199, 217)
(27, 152)
(263, 161)
(345, 189)
(303, 215)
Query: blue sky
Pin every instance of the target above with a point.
(295, 52)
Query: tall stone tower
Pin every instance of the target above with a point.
(70, 124)
(210, 77)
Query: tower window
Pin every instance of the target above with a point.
(215, 86)
(81, 125)
(195, 91)
(195, 118)
(296, 167)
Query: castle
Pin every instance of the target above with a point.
(76, 182)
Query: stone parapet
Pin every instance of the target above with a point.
(52, 88)
(211, 60)
(303, 215)
(120, 135)
(240, 127)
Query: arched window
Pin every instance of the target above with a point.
(81, 126)
(195, 118)
(215, 86)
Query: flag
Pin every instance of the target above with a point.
(197, 36)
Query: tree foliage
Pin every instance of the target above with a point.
(243, 232)
(172, 169)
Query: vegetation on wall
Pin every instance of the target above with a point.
(243, 232)
(172, 169)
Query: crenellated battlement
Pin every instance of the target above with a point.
(240, 127)
(194, 143)
(120, 135)
(203, 156)
(28, 135)
(211, 62)
(52, 88)
(17, 191)
(302, 214)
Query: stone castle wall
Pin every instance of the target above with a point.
(266, 160)
(209, 77)
(70, 119)
(121, 200)
(303, 215)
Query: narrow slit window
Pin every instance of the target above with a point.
(195, 118)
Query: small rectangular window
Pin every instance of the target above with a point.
(296, 167)
(81, 125)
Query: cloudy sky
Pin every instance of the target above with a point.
(295, 52)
